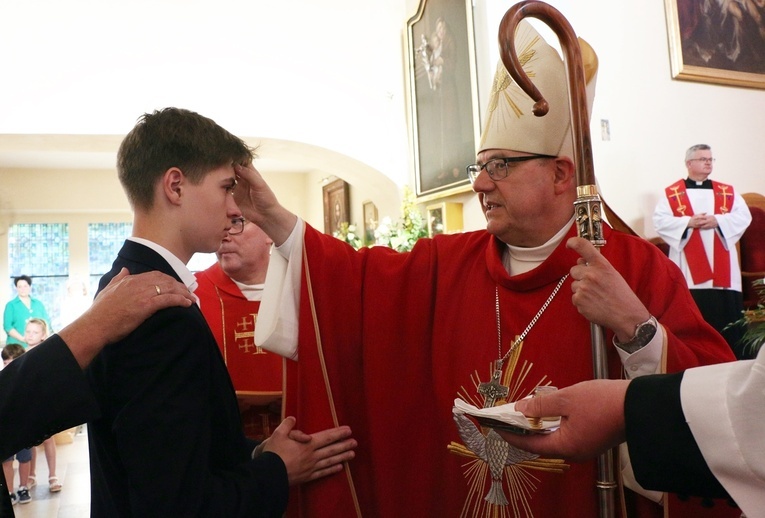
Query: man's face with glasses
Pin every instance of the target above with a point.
(244, 252)
(517, 193)
(700, 165)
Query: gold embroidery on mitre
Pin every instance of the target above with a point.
(494, 465)
(503, 81)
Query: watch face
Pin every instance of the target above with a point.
(644, 333)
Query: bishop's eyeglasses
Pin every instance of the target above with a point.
(705, 160)
(498, 168)
(237, 226)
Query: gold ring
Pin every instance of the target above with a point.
(159, 292)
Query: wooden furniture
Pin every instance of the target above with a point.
(752, 248)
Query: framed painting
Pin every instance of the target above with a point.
(369, 210)
(717, 42)
(337, 205)
(443, 95)
(444, 218)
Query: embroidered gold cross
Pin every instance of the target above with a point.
(725, 195)
(680, 207)
(247, 335)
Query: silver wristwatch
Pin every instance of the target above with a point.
(644, 333)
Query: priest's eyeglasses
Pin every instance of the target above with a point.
(498, 168)
(705, 160)
(237, 226)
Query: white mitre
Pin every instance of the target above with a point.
(510, 123)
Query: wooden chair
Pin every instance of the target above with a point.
(752, 248)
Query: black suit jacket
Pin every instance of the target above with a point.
(170, 441)
(41, 393)
(664, 454)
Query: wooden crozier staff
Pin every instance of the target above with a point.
(587, 205)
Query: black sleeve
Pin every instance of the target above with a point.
(171, 426)
(42, 392)
(662, 449)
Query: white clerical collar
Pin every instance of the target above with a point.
(176, 264)
(251, 292)
(517, 260)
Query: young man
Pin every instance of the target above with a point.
(169, 442)
(403, 335)
(702, 220)
(51, 374)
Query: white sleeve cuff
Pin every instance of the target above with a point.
(647, 359)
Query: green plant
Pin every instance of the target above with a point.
(347, 233)
(402, 235)
(753, 321)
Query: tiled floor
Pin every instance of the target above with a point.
(73, 472)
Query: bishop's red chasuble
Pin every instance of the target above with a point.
(388, 340)
(255, 373)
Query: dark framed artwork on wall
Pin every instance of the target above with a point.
(717, 42)
(337, 205)
(442, 95)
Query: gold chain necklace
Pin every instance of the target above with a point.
(493, 390)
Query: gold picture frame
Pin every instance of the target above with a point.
(713, 46)
(444, 218)
(442, 94)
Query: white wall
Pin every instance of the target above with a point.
(330, 74)
(653, 117)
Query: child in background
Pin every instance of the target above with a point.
(35, 333)
(11, 352)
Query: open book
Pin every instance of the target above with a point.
(505, 417)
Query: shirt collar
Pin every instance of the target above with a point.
(176, 264)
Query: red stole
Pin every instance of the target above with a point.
(698, 262)
(232, 318)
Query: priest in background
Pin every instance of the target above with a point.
(230, 292)
(702, 220)
(386, 341)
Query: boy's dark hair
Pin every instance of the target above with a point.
(22, 278)
(174, 137)
(11, 351)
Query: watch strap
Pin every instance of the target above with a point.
(644, 333)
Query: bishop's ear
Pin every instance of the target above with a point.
(565, 174)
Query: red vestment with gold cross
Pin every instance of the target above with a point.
(255, 373)
(388, 340)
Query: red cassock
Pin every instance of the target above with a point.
(396, 337)
(255, 373)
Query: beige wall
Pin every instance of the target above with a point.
(80, 197)
(360, 119)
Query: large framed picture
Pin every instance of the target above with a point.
(717, 42)
(337, 205)
(442, 95)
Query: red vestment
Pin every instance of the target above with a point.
(399, 336)
(255, 373)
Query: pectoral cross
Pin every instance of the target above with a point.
(493, 390)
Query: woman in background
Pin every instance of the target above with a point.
(21, 309)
